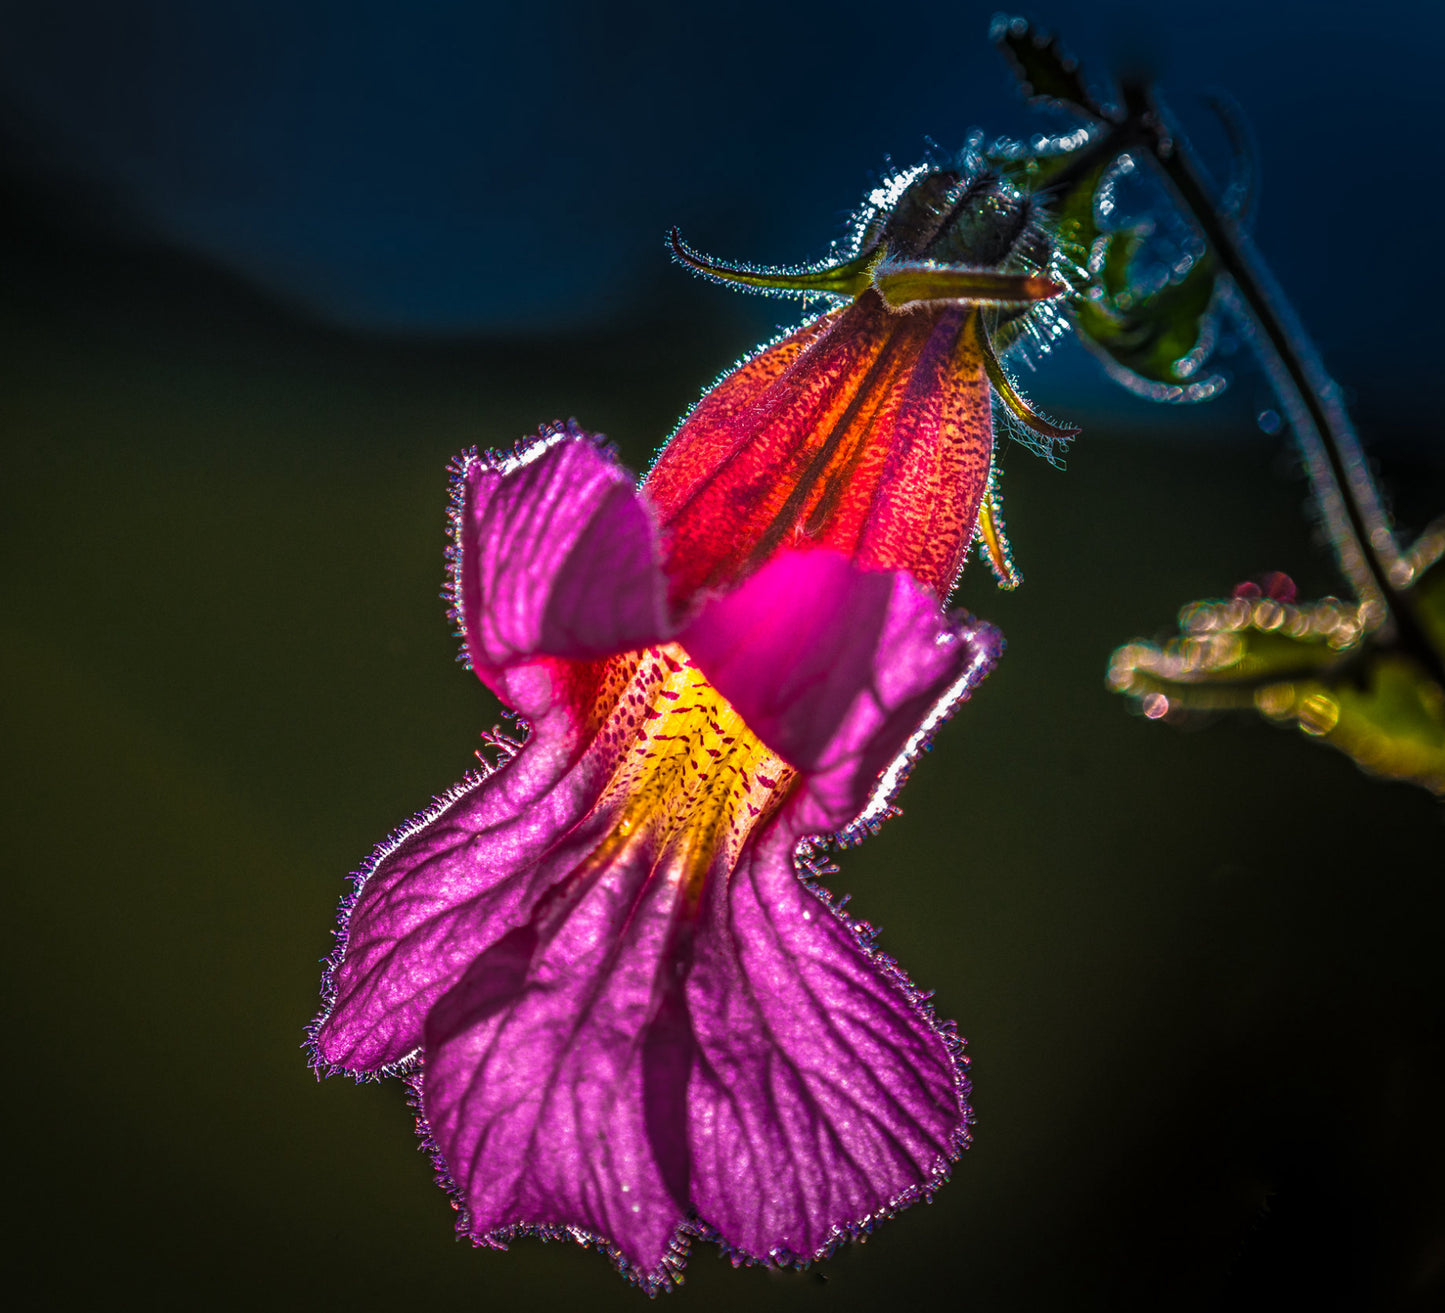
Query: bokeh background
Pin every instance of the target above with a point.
(264, 269)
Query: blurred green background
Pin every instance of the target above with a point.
(1200, 973)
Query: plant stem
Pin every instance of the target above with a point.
(1344, 490)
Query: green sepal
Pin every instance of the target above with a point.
(850, 279)
(905, 283)
(1003, 385)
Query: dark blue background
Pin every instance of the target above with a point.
(463, 167)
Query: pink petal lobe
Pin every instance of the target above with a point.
(447, 887)
(556, 1070)
(825, 1094)
(834, 668)
(557, 556)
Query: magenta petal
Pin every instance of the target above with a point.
(557, 556)
(556, 1071)
(438, 894)
(825, 1093)
(792, 647)
(834, 668)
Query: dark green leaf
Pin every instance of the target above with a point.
(1042, 67)
(1118, 256)
(1154, 338)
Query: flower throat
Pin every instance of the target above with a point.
(693, 781)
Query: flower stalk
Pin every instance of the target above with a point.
(1368, 677)
(1339, 475)
(1348, 499)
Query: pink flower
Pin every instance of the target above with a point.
(629, 1013)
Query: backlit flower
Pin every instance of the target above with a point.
(629, 1013)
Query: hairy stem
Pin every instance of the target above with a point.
(1344, 490)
